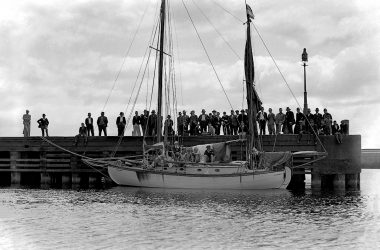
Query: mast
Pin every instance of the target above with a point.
(253, 101)
(160, 70)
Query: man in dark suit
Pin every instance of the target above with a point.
(152, 124)
(102, 124)
(89, 125)
(120, 123)
(262, 118)
(144, 121)
(43, 124)
(82, 133)
(318, 119)
(289, 120)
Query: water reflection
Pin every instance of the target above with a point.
(123, 217)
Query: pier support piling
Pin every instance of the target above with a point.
(15, 176)
(45, 180)
(352, 181)
(316, 181)
(339, 182)
(66, 180)
(75, 181)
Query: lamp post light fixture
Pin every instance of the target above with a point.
(304, 61)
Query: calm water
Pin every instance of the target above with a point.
(131, 218)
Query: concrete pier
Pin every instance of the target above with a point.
(35, 162)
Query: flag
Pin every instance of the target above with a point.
(249, 12)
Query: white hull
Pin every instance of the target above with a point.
(157, 179)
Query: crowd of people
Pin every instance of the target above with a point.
(236, 123)
(214, 123)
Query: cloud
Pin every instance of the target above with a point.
(63, 58)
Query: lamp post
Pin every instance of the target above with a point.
(304, 61)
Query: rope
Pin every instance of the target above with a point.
(73, 153)
(204, 48)
(125, 57)
(278, 68)
(220, 6)
(217, 31)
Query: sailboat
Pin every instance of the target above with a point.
(159, 168)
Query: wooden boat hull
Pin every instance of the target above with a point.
(252, 180)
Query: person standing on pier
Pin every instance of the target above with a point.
(203, 121)
(271, 122)
(144, 121)
(289, 121)
(136, 121)
(234, 124)
(102, 124)
(300, 122)
(89, 125)
(82, 133)
(262, 118)
(26, 121)
(43, 124)
(193, 119)
(120, 123)
(327, 120)
(318, 119)
(280, 118)
(152, 124)
(226, 124)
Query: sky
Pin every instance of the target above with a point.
(68, 58)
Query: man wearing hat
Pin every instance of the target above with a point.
(152, 124)
(243, 118)
(144, 121)
(168, 126)
(89, 121)
(43, 124)
(215, 122)
(233, 121)
(262, 118)
(186, 121)
(193, 120)
(327, 120)
(180, 124)
(120, 123)
(289, 121)
(318, 119)
(226, 124)
(102, 124)
(203, 121)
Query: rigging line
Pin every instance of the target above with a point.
(142, 80)
(125, 57)
(134, 104)
(283, 77)
(204, 48)
(217, 31)
(220, 6)
(71, 152)
(178, 57)
(137, 78)
(138, 74)
(172, 76)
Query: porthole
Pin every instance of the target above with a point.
(199, 170)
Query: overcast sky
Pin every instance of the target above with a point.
(61, 58)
